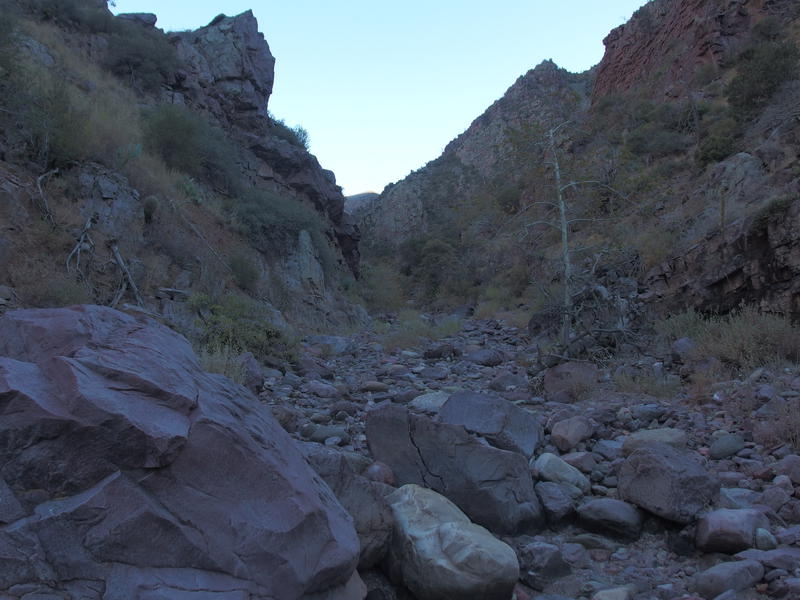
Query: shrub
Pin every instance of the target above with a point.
(223, 360)
(743, 340)
(763, 68)
(144, 57)
(272, 222)
(411, 328)
(239, 324)
(58, 129)
(719, 143)
(381, 287)
(57, 291)
(651, 139)
(187, 142)
(72, 13)
(245, 273)
(658, 387)
(297, 136)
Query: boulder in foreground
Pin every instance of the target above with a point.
(439, 554)
(493, 487)
(136, 471)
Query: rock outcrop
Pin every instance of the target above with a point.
(228, 72)
(493, 487)
(407, 208)
(228, 69)
(754, 262)
(126, 468)
(666, 42)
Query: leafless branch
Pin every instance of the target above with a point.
(48, 215)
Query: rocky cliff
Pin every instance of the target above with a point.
(666, 43)
(178, 225)
(485, 156)
(228, 72)
(678, 164)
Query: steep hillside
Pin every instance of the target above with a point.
(144, 168)
(678, 148)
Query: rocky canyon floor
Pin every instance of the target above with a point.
(686, 492)
(454, 469)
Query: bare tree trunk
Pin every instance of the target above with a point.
(566, 319)
(126, 273)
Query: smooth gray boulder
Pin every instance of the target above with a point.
(646, 437)
(557, 503)
(736, 576)
(550, 467)
(729, 530)
(502, 423)
(439, 554)
(568, 433)
(615, 517)
(493, 487)
(671, 483)
(542, 564)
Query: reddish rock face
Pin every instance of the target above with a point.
(668, 41)
(753, 264)
(124, 465)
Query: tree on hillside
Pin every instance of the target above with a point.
(563, 217)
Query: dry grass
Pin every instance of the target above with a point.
(658, 387)
(743, 340)
(411, 329)
(782, 428)
(223, 360)
(654, 246)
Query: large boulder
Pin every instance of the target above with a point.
(568, 433)
(362, 498)
(439, 554)
(615, 517)
(569, 382)
(550, 467)
(135, 470)
(493, 487)
(736, 576)
(504, 424)
(671, 483)
(729, 530)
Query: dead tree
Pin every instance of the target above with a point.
(84, 244)
(128, 282)
(563, 223)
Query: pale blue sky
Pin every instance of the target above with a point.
(383, 86)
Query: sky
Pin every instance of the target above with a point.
(382, 86)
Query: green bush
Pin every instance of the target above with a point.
(57, 128)
(239, 324)
(187, 142)
(272, 222)
(762, 69)
(719, 142)
(381, 287)
(245, 273)
(653, 140)
(72, 13)
(142, 56)
(297, 136)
